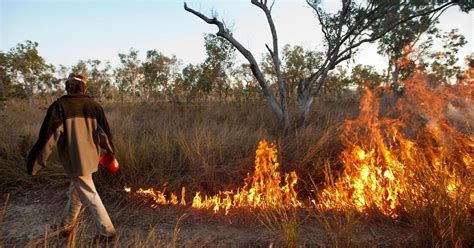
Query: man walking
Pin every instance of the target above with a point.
(78, 125)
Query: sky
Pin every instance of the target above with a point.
(70, 30)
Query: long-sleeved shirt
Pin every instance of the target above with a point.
(77, 124)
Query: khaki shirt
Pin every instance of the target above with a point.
(77, 124)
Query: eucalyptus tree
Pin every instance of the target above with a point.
(28, 70)
(129, 73)
(298, 65)
(186, 83)
(159, 72)
(279, 107)
(98, 75)
(365, 77)
(398, 43)
(218, 64)
(354, 24)
(245, 83)
(443, 67)
(5, 77)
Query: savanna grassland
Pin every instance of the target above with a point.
(206, 147)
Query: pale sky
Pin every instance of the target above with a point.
(70, 30)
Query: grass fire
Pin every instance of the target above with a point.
(389, 165)
(406, 159)
(265, 188)
(312, 124)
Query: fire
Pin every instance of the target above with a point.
(397, 158)
(406, 59)
(263, 189)
(390, 162)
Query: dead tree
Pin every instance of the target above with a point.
(279, 107)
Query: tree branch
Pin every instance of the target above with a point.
(269, 50)
(246, 53)
(275, 53)
(374, 38)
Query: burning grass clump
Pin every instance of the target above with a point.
(417, 165)
(408, 161)
(265, 188)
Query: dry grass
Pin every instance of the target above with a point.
(205, 147)
(283, 223)
(210, 147)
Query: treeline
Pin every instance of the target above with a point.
(25, 74)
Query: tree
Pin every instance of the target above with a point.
(246, 83)
(122, 82)
(468, 76)
(158, 73)
(129, 73)
(50, 84)
(5, 77)
(218, 64)
(298, 64)
(343, 31)
(443, 66)
(356, 24)
(206, 81)
(280, 108)
(400, 41)
(187, 82)
(336, 82)
(29, 71)
(366, 77)
(99, 80)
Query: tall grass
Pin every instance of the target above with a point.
(211, 147)
(283, 223)
(207, 147)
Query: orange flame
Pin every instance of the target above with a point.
(396, 158)
(406, 59)
(382, 164)
(263, 189)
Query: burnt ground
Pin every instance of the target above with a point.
(29, 213)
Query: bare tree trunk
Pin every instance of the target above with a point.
(307, 93)
(2, 94)
(133, 90)
(2, 89)
(304, 106)
(276, 63)
(280, 110)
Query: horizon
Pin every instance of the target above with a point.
(103, 29)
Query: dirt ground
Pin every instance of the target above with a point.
(29, 213)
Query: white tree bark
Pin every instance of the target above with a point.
(280, 109)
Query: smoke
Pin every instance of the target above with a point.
(461, 116)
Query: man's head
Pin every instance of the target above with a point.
(76, 84)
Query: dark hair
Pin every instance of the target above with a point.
(74, 86)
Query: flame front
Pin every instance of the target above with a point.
(395, 163)
(263, 189)
(416, 153)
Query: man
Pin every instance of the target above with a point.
(78, 125)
